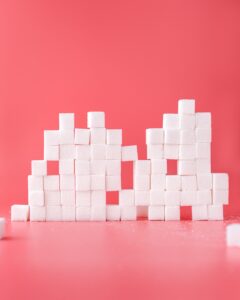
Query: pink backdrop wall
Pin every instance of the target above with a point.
(132, 59)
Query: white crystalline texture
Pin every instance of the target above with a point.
(98, 135)
(233, 235)
(154, 136)
(172, 213)
(156, 213)
(96, 119)
(170, 121)
(19, 212)
(66, 121)
(186, 106)
(82, 136)
(114, 136)
(129, 153)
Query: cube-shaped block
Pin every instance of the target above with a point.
(51, 137)
(215, 212)
(204, 197)
(68, 198)
(51, 183)
(173, 183)
(172, 213)
(83, 183)
(126, 197)
(98, 167)
(142, 198)
(83, 198)
(2, 228)
(82, 167)
(95, 119)
(82, 136)
(129, 153)
(98, 213)
(35, 183)
(159, 166)
(158, 182)
(68, 213)
(186, 167)
(113, 183)
(189, 183)
(113, 152)
(113, 213)
(142, 167)
(220, 181)
(172, 198)
(204, 181)
(37, 213)
(67, 152)
(220, 197)
(233, 235)
(203, 150)
(83, 152)
(52, 198)
(66, 166)
(156, 213)
(53, 213)
(98, 198)
(67, 182)
(187, 152)
(51, 153)
(203, 135)
(186, 106)
(141, 182)
(128, 213)
(187, 137)
(113, 167)
(203, 165)
(98, 182)
(66, 121)
(114, 136)
(19, 212)
(199, 212)
(39, 167)
(203, 120)
(188, 198)
(155, 151)
(171, 151)
(157, 198)
(154, 136)
(66, 137)
(98, 152)
(83, 213)
(187, 121)
(98, 135)
(36, 198)
(170, 121)
(172, 137)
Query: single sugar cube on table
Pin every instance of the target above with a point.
(113, 183)
(51, 137)
(67, 182)
(126, 197)
(187, 121)
(66, 121)
(19, 212)
(173, 183)
(186, 106)
(66, 166)
(187, 152)
(172, 213)
(172, 136)
(113, 152)
(68, 198)
(96, 119)
(142, 167)
(52, 198)
(158, 182)
(204, 181)
(83, 213)
(2, 228)
(129, 153)
(38, 213)
(203, 120)
(113, 213)
(82, 136)
(154, 136)
(154, 152)
(156, 213)
(142, 198)
(128, 213)
(51, 153)
(51, 183)
(98, 135)
(220, 181)
(98, 213)
(83, 198)
(67, 152)
(36, 198)
(170, 121)
(199, 213)
(158, 166)
(171, 152)
(189, 183)
(68, 213)
(215, 212)
(98, 198)
(172, 198)
(83, 152)
(53, 213)
(82, 167)
(233, 235)
(157, 197)
(114, 136)
(66, 137)
(113, 167)
(39, 167)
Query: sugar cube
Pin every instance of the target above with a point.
(220, 181)
(51, 153)
(83, 213)
(171, 151)
(35, 183)
(98, 213)
(203, 165)
(154, 136)
(2, 228)
(187, 121)
(36, 198)
(66, 137)
(113, 213)
(189, 183)
(82, 167)
(203, 150)
(66, 121)
(98, 182)
(204, 197)
(83, 152)
(187, 152)
(98, 167)
(51, 182)
(141, 182)
(233, 235)
(68, 198)
(159, 166)
(68, 213)
(128, 213)
(113, 152)
(154, 151)
(199, 212)
(173, 183)
(158, 182)
(39, 167)
(203, 120)
(172, 213)
(113, 183)
(186, 106)
(67, 152)
(142, 198)
(142, 167)
(129, 153)
(187, 137)
(37, 213)
(19, 212)
(82, 136)
(96, 119)
(83, 183)
(204, 181)
(114, 136)
(113, 167)
(98, 152)
(186, 167)
(220, 197)
(215, 212)
(203, 135)
(66, 166)
(188, 198)
(170, 121)
(157, 197)
(98, 135)
(126, 197)
(52, 198)
(172, 136)
(53, 213)
(98, 198)
(156, 213)
(83, 198)
(67, 182)
(172, 198)
(142, 211)
(51, 137)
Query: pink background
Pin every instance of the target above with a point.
(132, 59)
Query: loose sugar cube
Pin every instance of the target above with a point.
(98, 135)
(2, 228)
(189, 183)
(171, 151)
(19, 212)
(39, 167)
(113, 183)
(66, 121)
(187, 121)
(142, 167)
(159, 166)
(199, 213)
(83, 183)
(220, 197)
(113, 152)
(67, 182)
(187, 137)
(170, 121)
(204, 197)
(98, 182)
(98, 213)
(172, 213)
(83, 152)
(51, 182)
(129, 153)
(186, 167)
(203, 120)
(158, 182)
(113, 167)
(154, 151)
(156, 213)
(233, 235)
(51, 153)
(98, 198)
(98, 152)
(68, 213)
(128, 213)
(37, 213)
(186, 106)
(66, 137)
(82, 136)
(142, 198)
(172, 137)
(154, 136)
(83, 213)
(203, 165)
(126, 197)
(68, 198)
(96, 119)
(157, 197)
(172, 198)
(203, 135)
(51, 137)
(98, 167)
(188, 198)
(113, 213)
(82, 167)
(114, 136)
(203, 150)
(54, 213)
(215, 212)
(83, 198)
(52, 198)
(67, 152)
(187, 152)
(173, 183)
(36, 198)
(220, 181)
(66, 166)
(141, 182)
(35, 183)
(204, 181)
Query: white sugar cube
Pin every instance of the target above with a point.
(114, 152)
(142, 198)
(154, 151)
(158, 182)
(203, 150)
(98, 135)
(141, 182)
(172, 213)
(98, 182)
(98, 152)
(19, 212)
(95, 119)
(186, 106)
(204, 181)
(37, 213)
(67, 152)
(203, 135)
(126, 197)
(204, 197)
(173, 183)
(68, 213)
(53, 213)
(68, 198)
(83, 198)
(203, 165)
(98, 198)
(51, 153)
(188, 198)
(159, 166)
(129, 153)
(66, 121)
(187, 137)
(172, 136)
(114, 136)
(66, 137)
(199, 212)
(83, 183)
(98, 167)
(36, 198)
(2, 228)
(39, 167)
(51, 182)
(82, 167)
(156, 213)
(233, 235)
(113, 167)
(157, 197)
(67, 182)
(215, 212)
(51, 137)
(83, 213)
(113, 213)
(170, 121)
(98, 213)
(52, 198)
(189, 183)
(154, 136)
(83, 152)
(82, 136)
(66, 166)
(186, 167)
(142, 167)
(203, 120)
(142, 211)
(35, 183)
(220, 181)
(172, 198)
(128, 213)
(113, 183)
(187, 121)
(171, 151)
(187, 152)
(220, 197)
